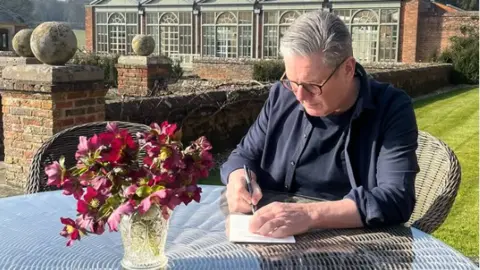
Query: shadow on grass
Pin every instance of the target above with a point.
(427, 101)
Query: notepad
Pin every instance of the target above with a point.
(238, 232)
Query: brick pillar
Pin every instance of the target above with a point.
(408, 31)
(41, 100)
(89, 28)
(139, 75)
(11, 61)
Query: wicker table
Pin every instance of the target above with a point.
(30, 226)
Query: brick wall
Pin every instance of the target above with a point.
(30, 119)
(39, 101)
(9, 58)
(435, 31)
(138, 80)
(417, 81)
(224, 116)
(224, 69)
(408, 31)
(89, 28)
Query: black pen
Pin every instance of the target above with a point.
(249, 186)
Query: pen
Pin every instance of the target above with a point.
(249, 185)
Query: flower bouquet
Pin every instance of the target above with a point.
(131, 185)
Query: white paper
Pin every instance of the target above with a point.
(238, 232)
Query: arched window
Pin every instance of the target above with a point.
(168, 34)
(117, 33)
(275, 23)
(227, 34)
(365, 35)
(172, 32)
(362, 23)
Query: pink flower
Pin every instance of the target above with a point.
(190, 193)
(130, 191)
(161, 197)
(85, 222)
(98, 227)
(55, 174)
(102, 185)
(112, 127)
(203, 143)
(168, 129)
(109, 172)
(164, 177)
(72, 186)
(71, 230)
(90, 201)
(114, 219)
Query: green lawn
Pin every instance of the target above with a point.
(453, 118)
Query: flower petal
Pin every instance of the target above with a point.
(114, 219)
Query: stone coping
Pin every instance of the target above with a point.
(18, 60)
(53, 74)
(135, 60)
(8, 54)
(233, 61)
(461, 14)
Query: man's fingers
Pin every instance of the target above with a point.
(280, 232)
(257, 193)
(260, 217)
(270, 226)
(239, 206)
(243, 194)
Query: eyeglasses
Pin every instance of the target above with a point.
(312, 88)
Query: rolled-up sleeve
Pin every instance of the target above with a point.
(393, 199)
(249, 150)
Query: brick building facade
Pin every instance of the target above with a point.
(382, 31)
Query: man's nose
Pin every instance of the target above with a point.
(302, 94)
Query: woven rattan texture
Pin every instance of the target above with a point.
(65, 143)
(436, 185)
(30, 225)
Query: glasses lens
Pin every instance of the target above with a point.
(314, 89)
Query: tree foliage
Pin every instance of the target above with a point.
(464, 55)
(18, 8)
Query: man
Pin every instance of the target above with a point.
(327, 131)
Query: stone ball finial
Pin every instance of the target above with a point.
(143, 45)
(21, 43)
(53, 43)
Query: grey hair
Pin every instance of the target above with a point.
(318, 32)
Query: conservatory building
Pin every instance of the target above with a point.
(185, 29)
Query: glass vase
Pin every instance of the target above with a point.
(144, 237)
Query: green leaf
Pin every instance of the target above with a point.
(157, 188)
(143, 191)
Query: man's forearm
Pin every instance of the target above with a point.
(335, 214)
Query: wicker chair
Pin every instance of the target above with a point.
(436, 185)
(65, 143)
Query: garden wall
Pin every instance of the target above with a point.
(224, 116)
(224, 68)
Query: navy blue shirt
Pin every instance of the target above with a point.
(367, 155)
(321, 169)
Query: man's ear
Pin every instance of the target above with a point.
(350, 65)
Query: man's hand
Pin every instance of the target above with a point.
(238, 197)
(281, 220)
